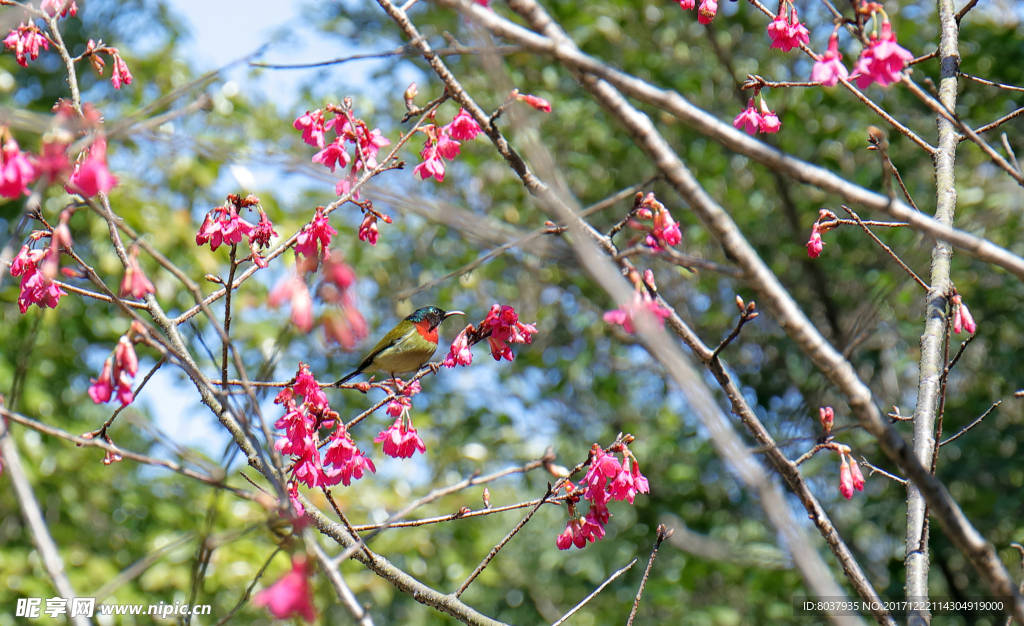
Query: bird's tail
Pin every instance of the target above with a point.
(348, 378)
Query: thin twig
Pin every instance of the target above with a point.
(595, 592)
(405, 50)
(877, 470)
(886, 248)
(990, 83)
(663, 534)
(1009, 151)
(972, 424)
(962, 12)
(248, 590)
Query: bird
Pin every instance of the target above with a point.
(407, 346)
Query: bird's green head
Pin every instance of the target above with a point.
(432, 315)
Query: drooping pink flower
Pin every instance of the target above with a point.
(962, 318)
(337, 271)
(124, 389)
(399, 406)
(446, 146)
(36, 286)
(665, 228)
(102, 388)
(573, 536)
(433, 163)
(307, 387)
(291, 596)
(135, 283)
(313, 127)
(368, 229)
(534, 101)
(125, 359)
(503, 323)
(293, 496)
(119, 74)
(349, 463)
(787, 32)
(400, 440)
(26, 41)
(603, 466)
(262, 232)
(629, 481)
(318, 230)
(624, 315)
(815, 245)
(686, 5)
(460, 353)
(295, 290)
(51, 7)
(333, 155)
(16, 172)
(53, 162)
(882, 61)
(749, 119)
(594, 522)
(222, 225)
(769, 121)
(463, 127)
(845, 478)
(91, 176)
(857, 476)
(706, 12)
(968, 319)
(368, 142)
(829, 69)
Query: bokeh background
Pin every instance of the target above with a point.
(580, 381)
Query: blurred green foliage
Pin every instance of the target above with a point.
(580, 381)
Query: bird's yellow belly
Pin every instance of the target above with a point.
(404, 357)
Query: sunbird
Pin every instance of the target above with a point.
(407, 347)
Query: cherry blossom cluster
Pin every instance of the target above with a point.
(501, 327)
(705, 13)
(119, 369)
(962, 318)
(26, 40)
(135, 283)
(306, 413)
(786, 31)
(815, 244)
(663, 232)
(38, 267)
(119, 74)
(342, 322)
(224, 225)
(400, 439)
(348, 131)
(625, 315)
(444, 142)
(606, 479)
(291, 595)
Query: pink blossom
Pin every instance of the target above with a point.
(707, 10)
(594, 523)
(603, 466)
(503, 323)
(294, 290)
(261, 233)
(25, 41)
(446, 146)
(968, 319)
(337, 271)
(536, 102)
(307, 387)
(124, 389)
(53, 162)
(368, 229)
(369, 144)
(460, 353)
(91, 176)
(815, 245)
(125, 359)
(769, 121)
(16, 172)
(135, 283)
(787, 33)
(223, 225)
(313, 127)
(119, 74)
(291, 596)
(433, 166)
(882, 61)
(827, 416)
(399, 406)
(293, 496)
(102, 388)
(624, 315)
(349, 463)
(962, 318)
(36, 287)
(317, 230)
(400, 441)
(573, 535)
(463, 127)
(829, 69)
(51, 7)
(858, 477)
(333, 155)
(348, 183)
(845, 479)
(665, 228)
(629, 481)
(686, 5)
(749, 120)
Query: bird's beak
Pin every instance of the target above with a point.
(451, 313)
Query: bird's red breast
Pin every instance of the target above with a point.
(423, 328)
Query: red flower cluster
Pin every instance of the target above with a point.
(26, 41)
(443, 142)
(120, 74)
(883, 60)
(224, 225)
(91, 175)
(850, 477)
(16, 171)
(786, 31)
(642, 299)
(606, 479)
(317, 230)
(366, 143)
(37, 269)
(829, 68)
(400, 439)
(302, 423)
(293, 288)
(962, 318)
(503, 323)
(118, 370)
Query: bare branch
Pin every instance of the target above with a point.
(594, 593)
